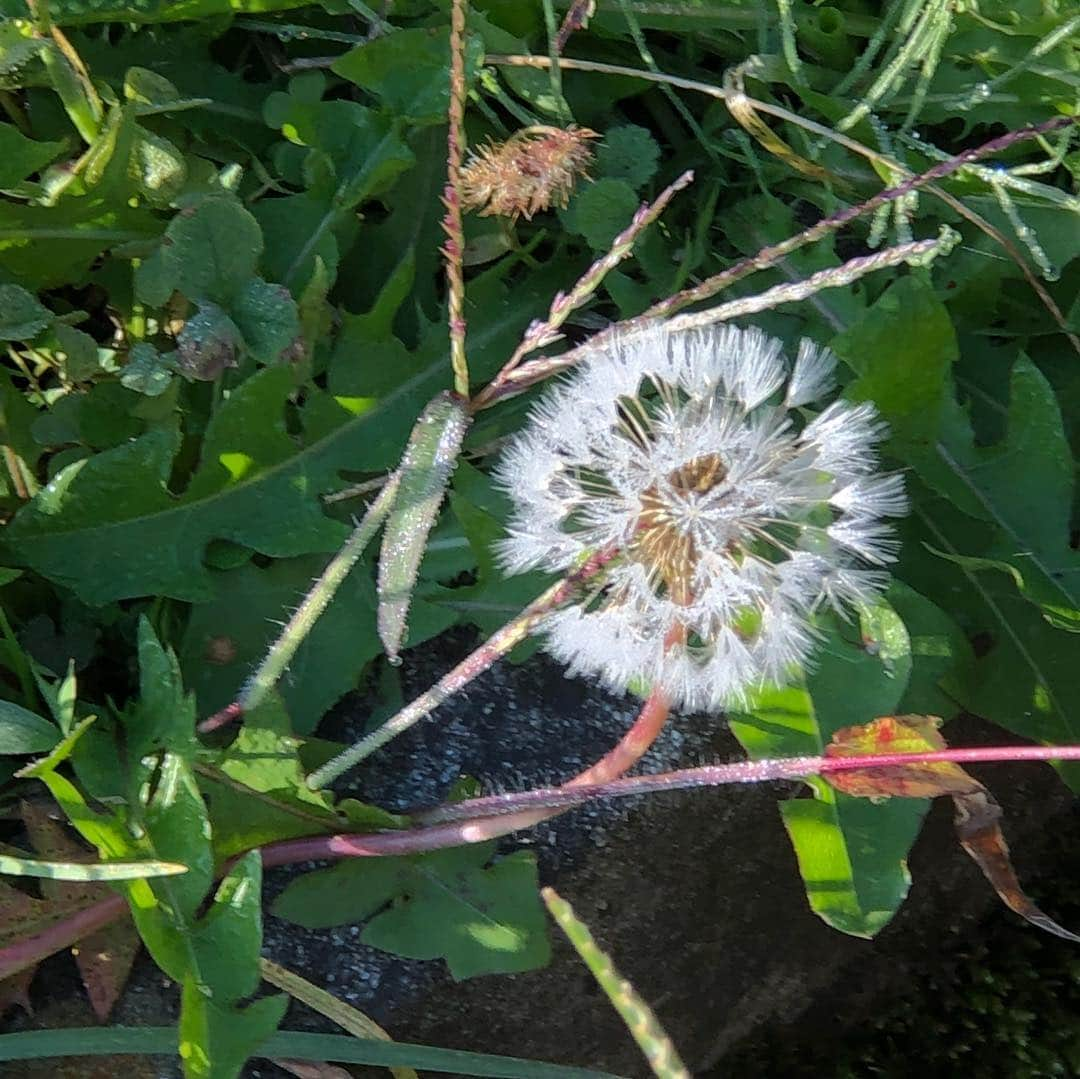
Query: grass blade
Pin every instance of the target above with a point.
(32, 867)
(643, 1025)
(161, 1041)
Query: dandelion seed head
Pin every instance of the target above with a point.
(736, 516)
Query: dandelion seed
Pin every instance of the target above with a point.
(736, 516)
(535, 168)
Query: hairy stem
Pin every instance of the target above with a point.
(305, 616)
(494, 648)
(544, 332)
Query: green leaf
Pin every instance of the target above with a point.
(21, 316)
(20, 156)
(77, 352)
(210, 251)
(147, 371)
(903, 350)
(289, 224)
(600, 211)
(851, 853)
(1025, 486)
(54, 246)
(214, 1041)
(943, 663)
(22, 731)
(268, 319)
(292, 1045)
(409, 71)
(628, 153)
(426, 467)
(443, 905)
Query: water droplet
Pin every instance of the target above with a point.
(394, 661)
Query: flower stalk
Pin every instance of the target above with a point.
(499, 644)
(304, 617)
(454, 248)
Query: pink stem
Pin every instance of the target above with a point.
(32, 950)
(479, 819)
(633, 745)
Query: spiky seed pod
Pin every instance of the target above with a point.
(737, 514)
(535, 168)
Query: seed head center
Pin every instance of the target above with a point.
(662, 543)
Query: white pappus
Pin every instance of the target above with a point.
(736, 514)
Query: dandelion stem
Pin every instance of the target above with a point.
(304, 617)
(494, 648)
(454, 248)
(736, 772)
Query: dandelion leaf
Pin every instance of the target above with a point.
(851, 852)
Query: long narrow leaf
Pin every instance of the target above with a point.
(426, 468)
(32, 867)
(161, 1041)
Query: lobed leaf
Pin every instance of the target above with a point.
(448, 904)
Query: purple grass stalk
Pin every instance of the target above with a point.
(920, 251)
(546, 331)
(480, 819)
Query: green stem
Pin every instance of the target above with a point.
(554, 71)
(639, 1018)
(20, 664)
(306, 615)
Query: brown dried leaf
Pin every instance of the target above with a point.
(104, 958)
(16, 990)
(977, 819)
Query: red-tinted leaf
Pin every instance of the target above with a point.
(978, 815)
(897, 734)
